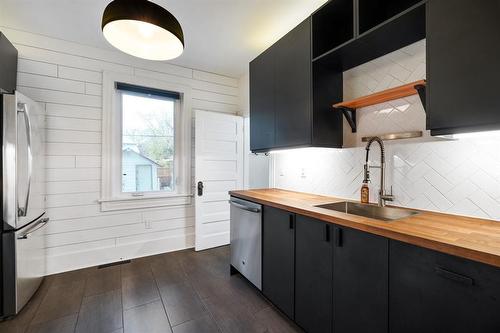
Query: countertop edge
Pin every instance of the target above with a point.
(436, 245)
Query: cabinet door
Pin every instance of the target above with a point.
(360, 281)
(313, 275)
(262, 101)
(278, 258)
(293, 87)
(434, 292)
(463, 52)
(8, 65)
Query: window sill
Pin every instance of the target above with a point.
(124, 203)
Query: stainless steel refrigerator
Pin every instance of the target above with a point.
(23, 198)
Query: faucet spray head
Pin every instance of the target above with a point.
(367, 174)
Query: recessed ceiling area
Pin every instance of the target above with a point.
(221, 36)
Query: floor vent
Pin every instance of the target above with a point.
(114, 264)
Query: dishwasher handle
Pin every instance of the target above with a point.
(241, 206)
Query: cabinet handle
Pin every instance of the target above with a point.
(327, 233)
(454, 276)
(290, 218)
(338, 237)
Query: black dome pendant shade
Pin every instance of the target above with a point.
(143, 29)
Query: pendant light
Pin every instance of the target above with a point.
(143, 29)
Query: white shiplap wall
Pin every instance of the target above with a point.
(66, 78)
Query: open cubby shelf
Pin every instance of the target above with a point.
(333, 25)
(371, 13)
(349, 107)
(393, 33)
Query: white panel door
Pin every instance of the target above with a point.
(218, 169)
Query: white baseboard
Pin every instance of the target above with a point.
(94, 257)
(213, 240)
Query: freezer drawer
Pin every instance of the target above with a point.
(30, 261)
(23, 267)
(246, 240)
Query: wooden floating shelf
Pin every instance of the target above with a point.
(349, 107)
(382, 96)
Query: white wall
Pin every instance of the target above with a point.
(459, 177)
(66, 79)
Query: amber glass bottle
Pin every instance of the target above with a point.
(365, 193)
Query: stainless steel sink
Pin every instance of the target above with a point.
(371, 211)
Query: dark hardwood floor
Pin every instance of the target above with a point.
(180, 292)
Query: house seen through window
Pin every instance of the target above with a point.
(148, 145)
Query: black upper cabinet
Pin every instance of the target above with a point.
(463, 52)
(285, 109)
(401, 26)
(8, 65)
(278, 264)
(313, 275)
(293, 87)
(294, 84)
(375, 12)
(262, 100)
(360, 280)
(436, 292)
(329, 33)
(327, 124)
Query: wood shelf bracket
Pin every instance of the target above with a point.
(350, 116)
(420, 88)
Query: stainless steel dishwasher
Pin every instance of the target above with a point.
(246, 240)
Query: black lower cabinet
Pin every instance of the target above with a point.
(434, 292)
(278, 264)
(360, 282)
(329, 278)
(313, 275)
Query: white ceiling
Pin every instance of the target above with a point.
(221, 36)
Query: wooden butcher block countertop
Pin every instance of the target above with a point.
(466, 237)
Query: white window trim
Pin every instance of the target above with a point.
(111, 198)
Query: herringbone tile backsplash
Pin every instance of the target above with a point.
(459, 177)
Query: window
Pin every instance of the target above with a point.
(146, 143)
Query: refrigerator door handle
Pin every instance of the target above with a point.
(38, 225)
(23, 108)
